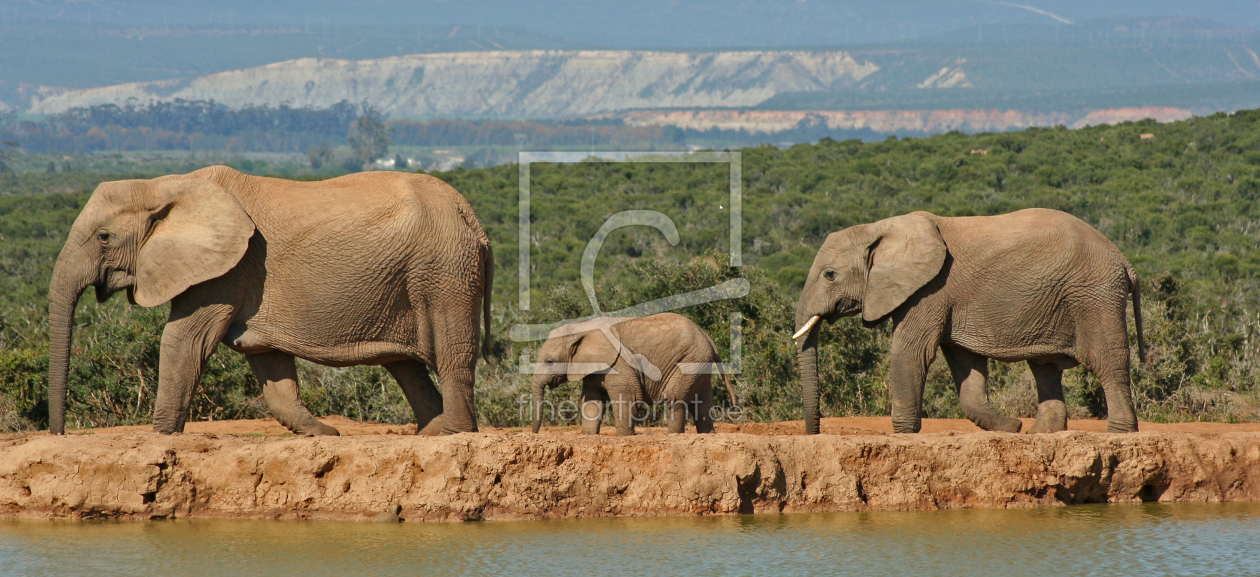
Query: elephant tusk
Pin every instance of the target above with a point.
(805, 329)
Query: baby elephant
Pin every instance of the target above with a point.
(632, 362)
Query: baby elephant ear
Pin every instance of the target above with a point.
(908, 253)
(592, 352)
(197, 231)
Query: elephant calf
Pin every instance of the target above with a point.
(1035, 285)
(632, 361)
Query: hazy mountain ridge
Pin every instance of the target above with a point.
(535, 83)
(890, 121)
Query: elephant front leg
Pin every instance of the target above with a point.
(277, 374)
(622, 394)
(971, 375)
(425, 400)
(909, 360)
(188, 340)
(1051, 409)
(593, 407)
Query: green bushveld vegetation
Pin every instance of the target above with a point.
(1184, 206)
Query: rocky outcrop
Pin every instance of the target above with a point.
(514, 476)
(536, 83)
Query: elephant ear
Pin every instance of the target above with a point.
(907, 253)
(197, 231)
(592, 352)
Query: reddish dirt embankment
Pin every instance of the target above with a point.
(512, 475)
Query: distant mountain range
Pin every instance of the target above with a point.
(504, 84)
(1050, 73)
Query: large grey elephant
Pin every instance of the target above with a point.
(632, 361)
(1035, 285)
(373, 268)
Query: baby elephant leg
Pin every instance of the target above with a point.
(702, 406)
(594, 400)
(621, 391)
(1051, 410)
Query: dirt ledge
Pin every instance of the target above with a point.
(506, 475)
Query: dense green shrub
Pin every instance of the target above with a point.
(1183, 206)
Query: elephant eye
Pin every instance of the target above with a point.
(103, 237)
(830, 275)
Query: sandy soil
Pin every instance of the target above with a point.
(830, 426)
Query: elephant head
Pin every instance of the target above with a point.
(871, 269)
(151, 238)
(571, 353)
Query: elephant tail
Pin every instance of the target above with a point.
(1135, 287)
(729, 388)
(717, 364)
(487, 265)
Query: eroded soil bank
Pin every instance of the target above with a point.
(243, 469)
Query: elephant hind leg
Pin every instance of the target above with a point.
(701, 405)
(277, 374)
(971, 375)
(1114, 375)
(1102, 347)
(425, 400)
(1051, 409)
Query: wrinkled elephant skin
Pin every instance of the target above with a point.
(1035, 285)
(629, 362)
(373, 268)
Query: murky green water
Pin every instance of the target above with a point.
(1145, 540)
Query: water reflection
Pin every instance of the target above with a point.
(1190, 539)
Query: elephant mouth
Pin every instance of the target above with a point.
(844, 308)
(115, 280)
(103, 292)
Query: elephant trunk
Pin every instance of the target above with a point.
(63, 295)
(537, 405)
(807, 364)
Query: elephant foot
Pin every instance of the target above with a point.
(166, 424)
(1122, 427)
(432, 429)
(1000, 424)
(446, 431)
(313, 428)
(1051, 418)
(907, 425)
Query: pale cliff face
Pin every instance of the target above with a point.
(889, 121)
(538, 83)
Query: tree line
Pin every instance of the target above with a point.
(1181, 200)
(207, 125)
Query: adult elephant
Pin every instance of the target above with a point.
(1036, 285)
(373, 268)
